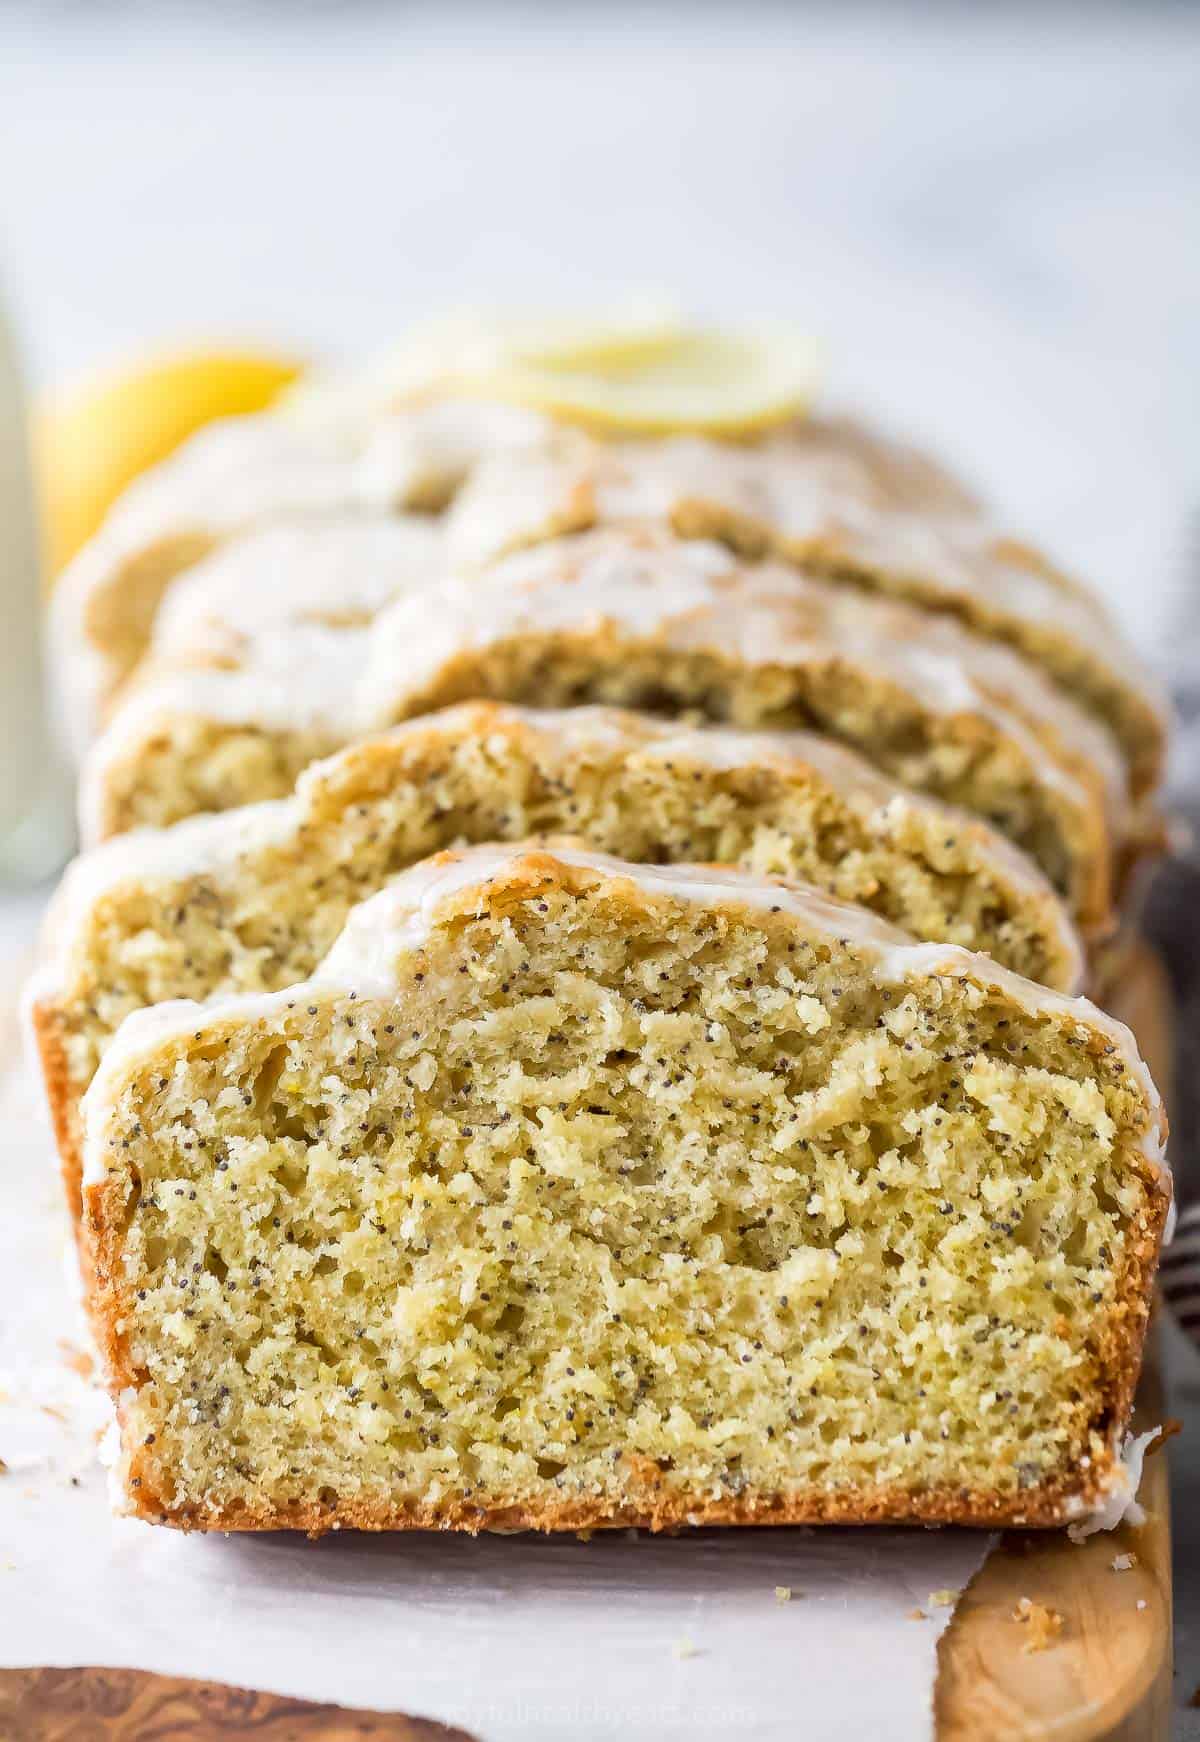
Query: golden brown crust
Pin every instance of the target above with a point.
(1045, 1507)
(649, 1504)
(62, 1099)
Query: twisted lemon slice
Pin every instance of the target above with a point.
(697, 381)
(457, 350)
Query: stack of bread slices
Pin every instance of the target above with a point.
(569, 1011)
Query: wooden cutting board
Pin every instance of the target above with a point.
(1105, 1678)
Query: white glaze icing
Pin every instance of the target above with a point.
(1119, 1502)
(336, 684)
(342, 570)
(247, 471)
(400, 918)
(435, 446)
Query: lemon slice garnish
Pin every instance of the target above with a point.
(640, 372)
(707, 383)
(619, 341)
(447, 354)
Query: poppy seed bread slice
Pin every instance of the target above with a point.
(251, 900)
(826, 511)
(571, 1193)
(644, 620)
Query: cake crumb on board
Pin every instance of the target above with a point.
(1044, 1624)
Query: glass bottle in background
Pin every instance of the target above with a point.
(36, 824)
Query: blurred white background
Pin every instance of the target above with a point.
(991, 214)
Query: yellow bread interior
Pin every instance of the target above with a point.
(579, 1202)
(253, 901)
(959, 759)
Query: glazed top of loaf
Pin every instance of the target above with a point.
(680, 594)
(341, 570)
(247, 472)
(243, 471)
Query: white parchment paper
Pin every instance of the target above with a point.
(762, 1634)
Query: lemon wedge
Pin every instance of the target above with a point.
(91, 440)
(701, 382)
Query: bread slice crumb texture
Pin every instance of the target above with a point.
(251, 901)
(569, 1193)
